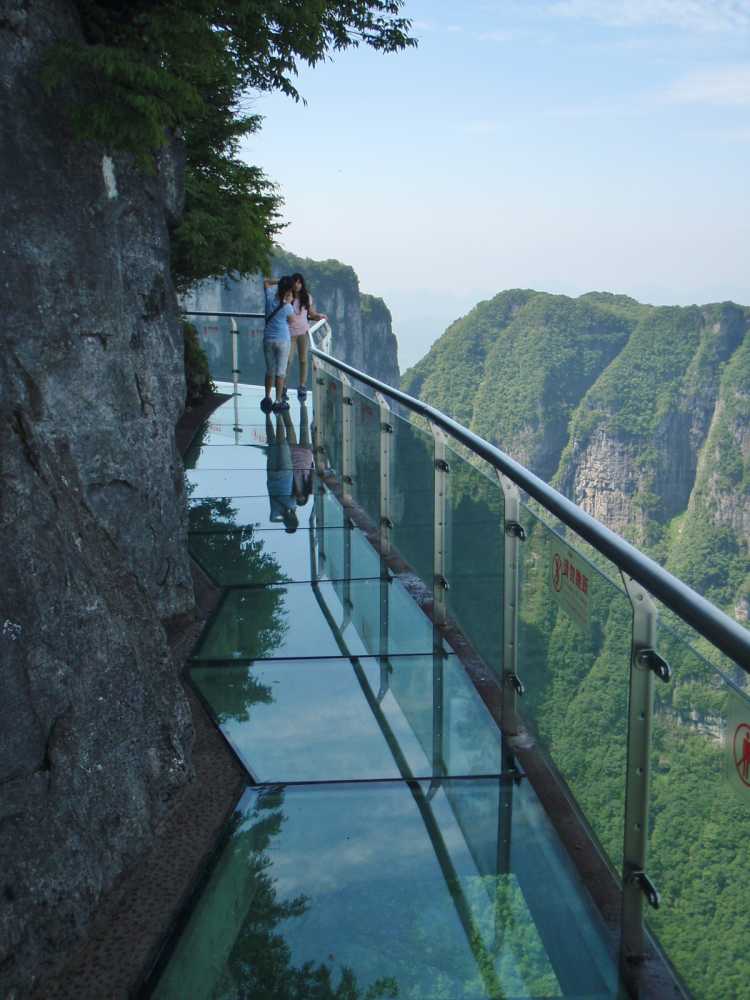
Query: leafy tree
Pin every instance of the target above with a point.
(152, 69)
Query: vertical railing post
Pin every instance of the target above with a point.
(385, 627)
(438, 687)
(235, 377)
(348, 603)
(644, 664)
(235, 354)
(386, 438)
(440, 533)
(513, 535)
(347, 451)
(320, 430)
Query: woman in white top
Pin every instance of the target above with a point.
(299, 324)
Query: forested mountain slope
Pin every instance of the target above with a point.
(639, 413)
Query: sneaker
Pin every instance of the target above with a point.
(302, 393)
(266, 405)
(280, 405)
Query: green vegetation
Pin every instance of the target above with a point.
(650, 403)
(152, 70)
(656, 402)
(325, 278)
(198, 382)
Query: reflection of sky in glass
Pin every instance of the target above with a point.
(388, 881)
(377, 899)
(232, 633)
(316, 724)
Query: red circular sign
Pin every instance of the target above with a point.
(557, 573)
(741, 752)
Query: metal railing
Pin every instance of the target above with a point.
(643, 580)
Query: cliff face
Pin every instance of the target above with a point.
(361, 324)
(639, 414)
(94, 729)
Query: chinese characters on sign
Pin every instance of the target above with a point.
(569, 582)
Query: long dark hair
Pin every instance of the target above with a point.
(284, 286)
(303, 295)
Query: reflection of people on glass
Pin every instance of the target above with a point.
(302, 456)
(280, 476)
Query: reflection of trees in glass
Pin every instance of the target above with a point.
(260, 961)
(212, 514)
(235, 557)
(193, 453)
(231, 691)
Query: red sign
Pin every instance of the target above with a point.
(557, 573)
(742, 752)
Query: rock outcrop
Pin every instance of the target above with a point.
(361, 324)
(95, 732)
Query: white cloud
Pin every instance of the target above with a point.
(692, 15)
(729, 86)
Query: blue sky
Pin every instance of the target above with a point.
(562, 145)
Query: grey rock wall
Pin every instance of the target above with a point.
(94, 730)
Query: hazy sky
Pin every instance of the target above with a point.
(561, 145)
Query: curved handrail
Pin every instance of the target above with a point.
(722, 631)
(716, 626)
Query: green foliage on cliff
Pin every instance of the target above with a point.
(602, 395)
(198, 381)
(324, 278)
(712, 550)
(152, 69)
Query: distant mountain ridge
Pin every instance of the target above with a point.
(639, 413)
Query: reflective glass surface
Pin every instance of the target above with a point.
(224, 513)
(214, 334)
(475, 524)
(700, 807)
(366, 484)
(574, 659)
(335, 719)
(319, 667)
(301, 619)
(249, 556)
(412, 480)
(371, 889)
(329, 391)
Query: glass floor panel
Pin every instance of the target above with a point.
(247, 431)
(326, 619)
(247, 404)
(225, 513)
(230, 456)
(372, 891)
(338, 719)
(249, 556)
(237, 482)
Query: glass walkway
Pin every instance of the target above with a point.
(386, 842)
(404, 658)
